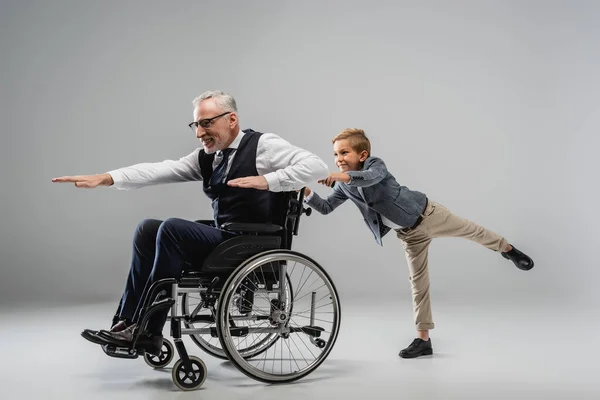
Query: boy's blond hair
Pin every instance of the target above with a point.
(356, 138)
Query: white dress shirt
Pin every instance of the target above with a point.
(284, 166)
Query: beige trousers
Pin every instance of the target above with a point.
(437, 221)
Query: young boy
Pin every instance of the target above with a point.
(386, 205)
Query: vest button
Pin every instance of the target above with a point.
(370, 204)
(375, 221)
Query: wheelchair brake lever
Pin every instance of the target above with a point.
(212, 284)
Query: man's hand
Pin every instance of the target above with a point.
(306, 191)
(250, 182)
(335, 176)
(86, 181)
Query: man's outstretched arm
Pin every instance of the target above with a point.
(142, 174)
(283, 167)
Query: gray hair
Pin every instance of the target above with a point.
(226, 101)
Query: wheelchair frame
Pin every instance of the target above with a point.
(256, 241)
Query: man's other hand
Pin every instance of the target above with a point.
(250, 182)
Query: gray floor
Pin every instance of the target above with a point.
(481, 352)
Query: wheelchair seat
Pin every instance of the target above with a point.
(252, 238)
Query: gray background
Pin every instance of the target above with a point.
(491, 108)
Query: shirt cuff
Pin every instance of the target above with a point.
(309, 196)
(117, 178)
(273, 182)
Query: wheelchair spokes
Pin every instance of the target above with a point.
(301, 317)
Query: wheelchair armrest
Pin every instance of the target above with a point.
(250, 227)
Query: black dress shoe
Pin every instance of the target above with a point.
(95, 336)
(92, 336)
(417, 348)
(125, 334)
(121, 325)
(520, 259)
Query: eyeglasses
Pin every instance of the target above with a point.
(206, 122)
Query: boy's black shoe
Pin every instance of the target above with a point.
(417, 348)
(520, 259)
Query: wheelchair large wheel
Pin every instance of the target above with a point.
(192, 303)
(307, 329)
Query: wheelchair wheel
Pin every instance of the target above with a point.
(166, 355)
(189, 380)
(212, 345)
(306, 329)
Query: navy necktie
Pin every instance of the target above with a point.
(218, 175)
(216, 181)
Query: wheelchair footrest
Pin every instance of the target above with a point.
(120, 352)
(314, 331)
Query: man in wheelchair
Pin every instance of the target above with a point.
(243, 172)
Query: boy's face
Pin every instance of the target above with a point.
(346, 158)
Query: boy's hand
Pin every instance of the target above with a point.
(335, 176)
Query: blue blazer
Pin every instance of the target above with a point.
(375, 192)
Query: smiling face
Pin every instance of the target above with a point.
(219, 130)
(346, 158)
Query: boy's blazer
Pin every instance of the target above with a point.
(375, 192)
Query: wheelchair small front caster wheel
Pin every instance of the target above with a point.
(320, 343)
(189, 380)
(167, 351)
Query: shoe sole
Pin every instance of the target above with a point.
(427, 352)
(90, 336)
(101, 337)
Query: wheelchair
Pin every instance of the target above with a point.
(271, 311)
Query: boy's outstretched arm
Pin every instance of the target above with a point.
(325, 206)
(373, 172)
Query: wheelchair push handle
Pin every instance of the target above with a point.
(300, 210)
(306, 210)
